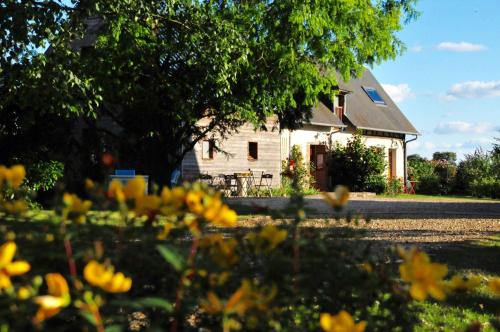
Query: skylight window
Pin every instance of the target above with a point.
(374, 95)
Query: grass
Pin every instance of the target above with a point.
(438, 198)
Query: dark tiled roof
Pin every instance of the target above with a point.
(365, 114)
(94, 24)
(323, 116)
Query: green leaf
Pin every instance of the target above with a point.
(89, 317)
(146, 302)
(155, 302)
(173, 257)
(114, 328)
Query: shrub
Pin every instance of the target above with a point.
(43, 175)
(419, 168)
(435, 177)
(296, 174)
(486, 187)
(376, 184)
(446, 172)
(474, 167)
(355, 164)
(429, 185)
(395, 187)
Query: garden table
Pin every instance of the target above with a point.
(410, 187)
(243, 183)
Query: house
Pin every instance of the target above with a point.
(361, 105)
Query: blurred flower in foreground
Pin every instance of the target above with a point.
(14, 175)
(8, 268)
(247, 297)
(267, 239)
(104, 277)
(17, 207)
(58, 298)
(425, 277)
(463, 284)
(341, 197)
(342, 322)
(76, 208)
(494, 285)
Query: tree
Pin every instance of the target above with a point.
(415, 158)
(450, 157)
(151, 70)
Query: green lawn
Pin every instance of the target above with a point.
(436, 197)
(459, 311)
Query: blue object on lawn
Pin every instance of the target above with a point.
(130, 172)
(174, 178)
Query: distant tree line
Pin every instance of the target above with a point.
(478, 174)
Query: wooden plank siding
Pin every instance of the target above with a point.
(269, 154)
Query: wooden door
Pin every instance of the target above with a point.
(317, 157)
(390, 164)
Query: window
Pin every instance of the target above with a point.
(208, 149)
(253, 151)
(374, 95)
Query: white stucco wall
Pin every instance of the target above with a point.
(320, 135)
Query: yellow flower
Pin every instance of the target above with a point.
(166, 231)
(104, 277)
(367, 267)
(147, 205)
(494, 285)
(115, 190)
(222, 251)
(267, 239)
(14, 175)
(23, 293)
(76, 207)
(342, 322)
(89, 184)
(463, 284)
(425, 277)
(341, 197)
(273, 235)
(17, 207)
(194, 201)
(58, 298)
(135, 188)
(8, 268)
(245, 298)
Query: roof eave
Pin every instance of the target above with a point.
(390, 131)
(326, 124)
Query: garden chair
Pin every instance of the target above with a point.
(265, 183)
(206, 178)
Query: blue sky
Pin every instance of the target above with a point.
(448, 81)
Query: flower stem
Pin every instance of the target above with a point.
(180, 287)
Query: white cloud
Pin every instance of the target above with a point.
(417, 49)
(460, 47)
(474, 89)
(455, 127)
(429, 145)
(475, 143)
(399, 92)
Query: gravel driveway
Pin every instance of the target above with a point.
(383, 208)
(396, 221)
